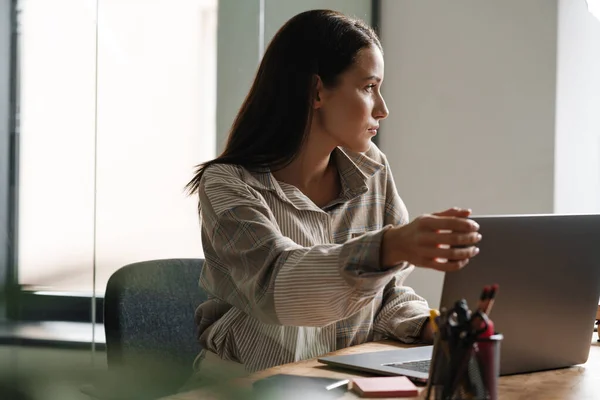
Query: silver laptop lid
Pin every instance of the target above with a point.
(548, 269)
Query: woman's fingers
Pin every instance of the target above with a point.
(454, 212)
(435, 223)
(444, 265)
(450, 266)
(444, 241)
(451, 254)
(449, 238)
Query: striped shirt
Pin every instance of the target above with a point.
(288, 280)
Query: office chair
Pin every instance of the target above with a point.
(151, 339)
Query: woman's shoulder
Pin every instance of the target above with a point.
(228, 178)
(222, 172)
(226, 186)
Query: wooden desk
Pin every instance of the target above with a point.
(575, 383)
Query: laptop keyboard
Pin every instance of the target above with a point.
(419, 366)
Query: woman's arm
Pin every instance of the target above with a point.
(403, 314)
(252, 266)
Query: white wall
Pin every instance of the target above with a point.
(577, 186)
(471, 91)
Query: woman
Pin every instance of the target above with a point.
(307, 242)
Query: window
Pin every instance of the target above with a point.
(112, 122)
(594, 7)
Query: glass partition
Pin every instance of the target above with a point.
(109, 135)
(115, 102)
(56, 199)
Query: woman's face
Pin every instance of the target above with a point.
(348, 114)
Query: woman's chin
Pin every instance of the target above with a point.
(361, 147)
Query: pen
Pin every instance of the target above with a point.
(459, 371)
(337, 384)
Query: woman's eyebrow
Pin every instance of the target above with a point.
(372, 77)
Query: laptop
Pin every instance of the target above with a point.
(548, 271)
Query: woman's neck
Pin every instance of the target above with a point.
(311, 168)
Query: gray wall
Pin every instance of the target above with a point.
(277, 12)
(237, 59)
(471, 90)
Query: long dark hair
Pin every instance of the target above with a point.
(274, 119)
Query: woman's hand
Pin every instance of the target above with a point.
(443, 241)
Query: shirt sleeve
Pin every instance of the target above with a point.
(252, 266)
(403, 313)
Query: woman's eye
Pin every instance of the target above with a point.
(370, 87)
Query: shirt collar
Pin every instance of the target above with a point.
(355, 169)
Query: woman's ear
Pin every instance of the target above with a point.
(318, 92)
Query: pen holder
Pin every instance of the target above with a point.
(462, 370)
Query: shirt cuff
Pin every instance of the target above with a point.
(410, 329)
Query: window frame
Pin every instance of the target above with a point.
(8, 155)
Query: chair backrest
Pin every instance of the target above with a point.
(149, 313)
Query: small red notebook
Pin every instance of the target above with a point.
(387, 386)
